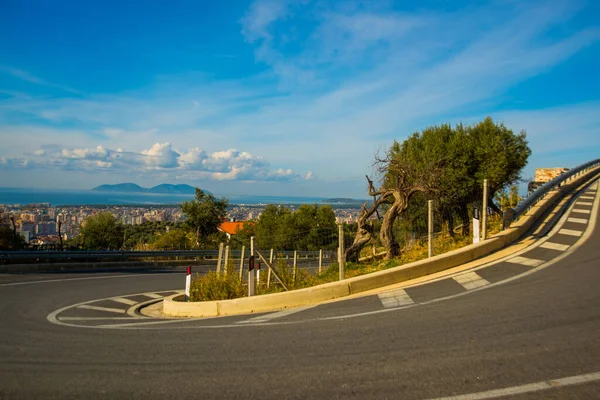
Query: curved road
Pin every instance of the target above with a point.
(530, 318)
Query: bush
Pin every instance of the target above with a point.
(213, 286)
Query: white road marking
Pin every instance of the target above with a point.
(153, 295)
(585, 203)
(581, 211)
(587, 197)
(123, 300)
(471, 280)
(529, 388)
(98, 318)
(97, 308)
(570, 232)
(554, 246)
(395, 298)
(530, 262)
(80, 279)
(278, 314)
(577, 220)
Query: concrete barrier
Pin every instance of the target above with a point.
(174, 306)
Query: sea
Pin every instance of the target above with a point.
(23, 196)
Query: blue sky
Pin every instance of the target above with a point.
(282, 97)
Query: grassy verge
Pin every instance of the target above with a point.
(228, 286)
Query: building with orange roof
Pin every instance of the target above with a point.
(232, 227)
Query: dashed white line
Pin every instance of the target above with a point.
(570, 232)
(554, 246)
(530, 262)
(585, 203)
(395, 298)
(577, 220)
(278, 314)
(471, 280)
(123, 300)
(532, 387)
(581, 211)
(97, 308)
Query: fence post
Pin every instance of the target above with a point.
(341, 255)
(430, 227)
(225, 263)
(484, 211)
(269, 273)
(295, 265)
(242, 262)
(220, 258)
(251, 273)
(320, 260)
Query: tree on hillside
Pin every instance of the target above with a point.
(102, 232)
(10, 239)
(174, 239)
(444, 164)
(204, 215)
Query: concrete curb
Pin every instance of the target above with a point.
(174, 306)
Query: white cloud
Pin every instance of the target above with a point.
(195, 163)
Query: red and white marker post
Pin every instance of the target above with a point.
(188, 282)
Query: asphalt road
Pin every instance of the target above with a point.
(537, 327)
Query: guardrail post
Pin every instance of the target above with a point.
(295, 267)
(484, 211)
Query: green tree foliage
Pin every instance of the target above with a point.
(447, 165)
(102, 232)
(204, 215)
(310, 227)
(174, 239)
(9, 238)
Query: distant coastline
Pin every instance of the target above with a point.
(24, 196)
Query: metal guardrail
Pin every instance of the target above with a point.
(117, 254)
(512, 215)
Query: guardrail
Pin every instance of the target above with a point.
(513, 214)
(120, 255)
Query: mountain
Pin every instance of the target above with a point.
(173, 189)
(121, 187)
(133, 188)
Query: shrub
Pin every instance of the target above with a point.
(213, 286)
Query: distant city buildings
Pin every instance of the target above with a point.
(41, 223)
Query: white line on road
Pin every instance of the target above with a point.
(81, 279)
(577, 220)
(585, 203)
(123, 300)
(153, 295)
(278, 314)
(97, 308)
(98, 318)
(554, 246)
(471, 280)
(395, 298)
(581, 211)
(530, 262)
(570, 232)
(532, 387)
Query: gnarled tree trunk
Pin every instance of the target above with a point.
(363, 235)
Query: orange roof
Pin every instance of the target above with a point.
(232, 227)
